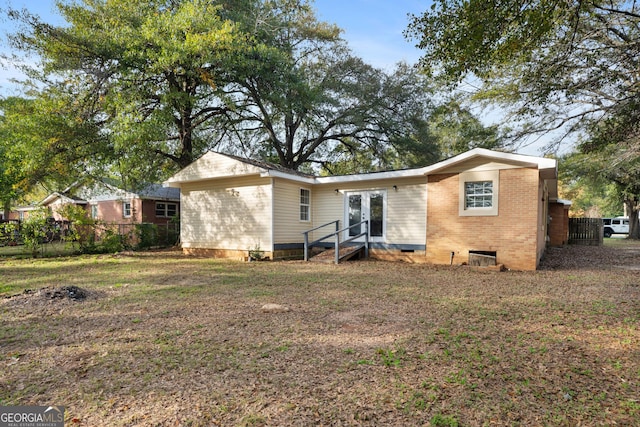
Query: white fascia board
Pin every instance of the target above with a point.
(277, 174)
(562, 201)
(373, 176)
(50, 198)
(178, 183)
(530, 161)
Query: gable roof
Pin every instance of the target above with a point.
(549, 166)
(213, 165)
(101, 191)
(64, 197)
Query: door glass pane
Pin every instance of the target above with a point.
(376, 216)
(355, 213)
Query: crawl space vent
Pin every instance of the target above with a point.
(482, 258)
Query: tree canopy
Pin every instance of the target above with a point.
(141, 89)
(553, 65)
(146, 73)
(561, 67)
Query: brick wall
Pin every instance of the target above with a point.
(149, 212)
(111, 211)
(559, 226)
(512, 234)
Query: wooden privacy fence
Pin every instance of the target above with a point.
(586, 231)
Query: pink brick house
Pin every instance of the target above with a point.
(153, 204)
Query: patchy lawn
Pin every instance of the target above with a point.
(47, 250)
(165, 340)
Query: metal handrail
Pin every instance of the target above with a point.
(337, 222)
(337, 233)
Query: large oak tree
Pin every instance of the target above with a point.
(143, 88)
(557, 67)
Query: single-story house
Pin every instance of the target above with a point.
(480, 202)
(153, 204)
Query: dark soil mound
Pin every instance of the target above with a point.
(64, 292)
(71, 292)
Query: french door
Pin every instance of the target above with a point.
(366, 205)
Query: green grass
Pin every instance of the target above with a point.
(48, 250)
(619, 241)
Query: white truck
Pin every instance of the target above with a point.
(617, 225)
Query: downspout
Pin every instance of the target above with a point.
(272, 227)
(426, 217)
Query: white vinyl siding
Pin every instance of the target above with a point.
(407, 213)
(326, 206)
(231, 214)
(214, 165)
(287, 227)
(406, 218)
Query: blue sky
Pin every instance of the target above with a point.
(373, 28)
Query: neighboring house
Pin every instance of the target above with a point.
(22, 212)
(480, 202)
(153, 204)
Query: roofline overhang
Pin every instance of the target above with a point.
(160, 199)
(271, 173)
(561, 201)
(55, 195)
(540, 163)
(548, 170)
(371, 176)
(177, 184)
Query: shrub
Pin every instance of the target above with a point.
(9, 233)
(111, 242)
(147, 235)
(33, 230)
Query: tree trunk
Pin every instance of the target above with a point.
(6, 209)
(634, 225)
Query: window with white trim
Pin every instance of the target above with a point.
(478, 193)
(94, 211)
(126, 209)
(305, 204)
(166, 210)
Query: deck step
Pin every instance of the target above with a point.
(346, 253)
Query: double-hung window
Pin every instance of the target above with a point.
(126, 209)
(305, 204)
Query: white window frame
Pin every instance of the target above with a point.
(94, 211)
(492, 176)
(366, 212)
(304, 205)
(124, 209)
(166, 209)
